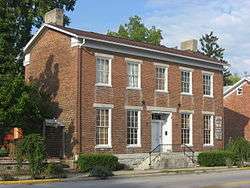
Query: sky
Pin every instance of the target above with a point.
(179, 20)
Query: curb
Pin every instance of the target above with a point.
(44, 181)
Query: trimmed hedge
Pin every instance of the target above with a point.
(87, 162)
(216, 158)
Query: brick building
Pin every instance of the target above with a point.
(116, 95)
(236, 110)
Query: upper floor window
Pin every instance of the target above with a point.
(161, 78)
(186, 128)
(134, 73)
(208, 130)
(240, 90)
(133, 128)
(186, 81)
(207, 84)
(103, 70)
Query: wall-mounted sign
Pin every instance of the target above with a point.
(218, 128)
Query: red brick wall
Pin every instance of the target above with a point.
(53, 67)
(120, 97)
(53, 51)
(237, 113)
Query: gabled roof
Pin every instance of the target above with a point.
(122, 41)
(231, 89)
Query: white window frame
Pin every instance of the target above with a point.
(26, 59)
(139, 127)
(190, 144)
(162, 66)
(109, 58)
(239, 88)
(211, 130)
(109, 145)
(138, 62)
(184, 69)
(211, 84)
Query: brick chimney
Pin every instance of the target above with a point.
(54, 16)
(189, 45)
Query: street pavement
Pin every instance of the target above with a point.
(229, 179)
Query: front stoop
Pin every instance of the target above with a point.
(166, 160)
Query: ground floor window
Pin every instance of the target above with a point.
(186, 129)
(208, 129)
(133, 127)
(103, 126)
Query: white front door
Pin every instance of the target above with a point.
(156, 134)
(161, 132)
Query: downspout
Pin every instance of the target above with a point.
(79, 94)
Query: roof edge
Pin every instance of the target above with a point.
(235, 86)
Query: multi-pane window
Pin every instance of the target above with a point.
(161, 78)
(103, 71)
(133, 75)
(207, 84)
(208, 129)
(133, 127)
(186, 80)
(102, 126)
(186, 128)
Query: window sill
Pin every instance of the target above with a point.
(103, 147)
(103, 85)
(161, 91)
(133, 88)
(133, 146)
(187, 94)
(208, 145)
(208, 96)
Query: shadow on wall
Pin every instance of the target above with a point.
(235, 124)
(48, 81)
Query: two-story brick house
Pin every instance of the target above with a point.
(121, 96)
(236, 110)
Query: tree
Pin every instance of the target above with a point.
(22, 105)
(232, 79)
(211, 48)
(17, 19)
(137, 31)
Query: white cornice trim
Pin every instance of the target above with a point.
(235, 87)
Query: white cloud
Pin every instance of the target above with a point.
(185, 19)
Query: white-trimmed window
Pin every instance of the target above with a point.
(240, 90)
(134, 74)
(133, 128)
(186, 128)
(186, 81)
(161, 78)
(207, 84)
(103, 127)
(208, 129)
(26, 59)
(103, 70)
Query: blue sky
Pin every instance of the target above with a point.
(178, 19)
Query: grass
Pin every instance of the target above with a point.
(44, 181)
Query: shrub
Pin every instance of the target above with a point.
(241, 148)
(55, 170)
(32, 149)
(215, 158)
(87, 161)
(100, 172)
(3, 152)
(7, 177)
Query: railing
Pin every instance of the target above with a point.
(187, 151)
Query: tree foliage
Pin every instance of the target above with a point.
(17, 19)
(22, 105)
(137, 31)
(32, 149)
(211, 48)
(232, 79)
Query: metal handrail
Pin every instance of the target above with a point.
(191, 150)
